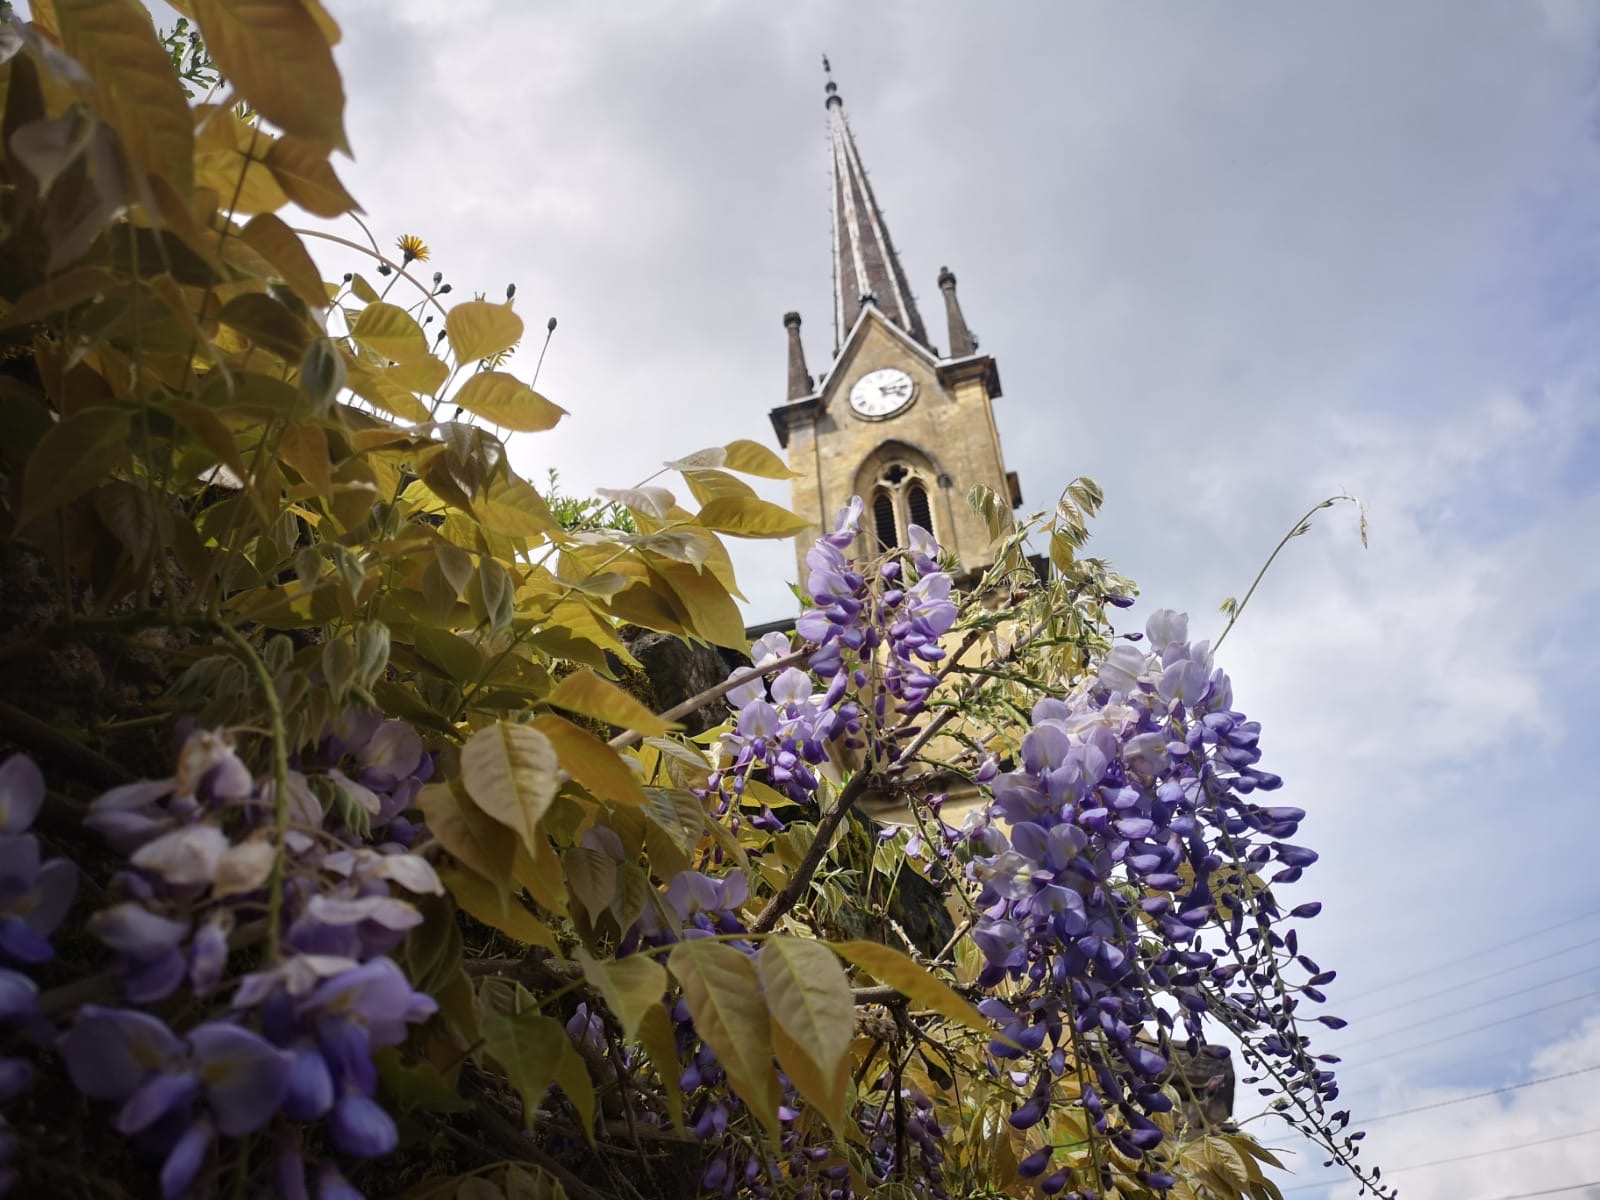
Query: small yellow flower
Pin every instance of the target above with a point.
(413, 249)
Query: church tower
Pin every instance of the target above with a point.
(907, 428)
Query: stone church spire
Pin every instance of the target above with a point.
(865, 266)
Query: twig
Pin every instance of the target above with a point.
(738, 679)
(1295, 530)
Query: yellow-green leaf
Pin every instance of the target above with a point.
(743, 455)
(827, 1094)
(477, 896)
(277, 58)
(631, 987)
(810, 1001)
(660, 1043)
(268, 323)
(511, 772)
(507, 401)
(528, 1047)
(451, 653)
(281, 247)
(420, 375)
(752, 458)
(891, 967)
(572, 1073)
(389, 332)
(724, 1000)
(135, 88)
(376, 389)
(479, 329)
(72, 456)
(751, 517)
(305, 175)
(585, 692)
(591, 762)
(463, 829)
(706, 603)
(592, 878)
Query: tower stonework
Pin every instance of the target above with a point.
(908, 429)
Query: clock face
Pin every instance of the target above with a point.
(882, 393)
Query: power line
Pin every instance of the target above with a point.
(1510, 1087)
(1571, 1187)
(1456, 987)
(1487, 1024)
(1440, 1162)
(1456, 1012)
(1471, 954)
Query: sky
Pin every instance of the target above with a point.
(1231, 259)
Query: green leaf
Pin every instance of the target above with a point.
(536, 1184)
(267, 323)
(752, 458)
(511, 772)
(507, 401)
(600, 769)
(303, 172)
(418, 1085)
(269, 237)
(572, 1073)
(129, 513)
(479, 329)
(632, 987)
(585, 692)
(477, 897)
(390, 333)
(724, 1000)
(743, 455)
(322, 374)
(468, 833)
(451, 653)
(657, 1037)
(813, 1008)
(135, 88)
(891, 967)
(592, 878)
(751, 517)
(528, 1048)
(73, 456)
(58, 293)
(277, 58)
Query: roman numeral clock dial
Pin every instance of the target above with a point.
(882, 393)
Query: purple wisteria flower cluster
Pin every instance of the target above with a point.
(280, 1045)
(875, 636)
(35, 895)
(697, 905)
(1123, 898)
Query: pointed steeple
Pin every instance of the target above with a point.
(962, 343)
(865, 266)
(801, 384)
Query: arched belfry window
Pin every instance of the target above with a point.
(883, 520)
(899, 499)
(917, 505)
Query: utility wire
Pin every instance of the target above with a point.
(1450, 1037)
(1468, 1008)
(1510, 1087)
(1471, 954)
(1571, 1187)
(1506, 970)
(1474, 1029)
(1440, 1162)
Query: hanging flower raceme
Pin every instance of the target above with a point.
(296, 1045)
(1128, 862)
